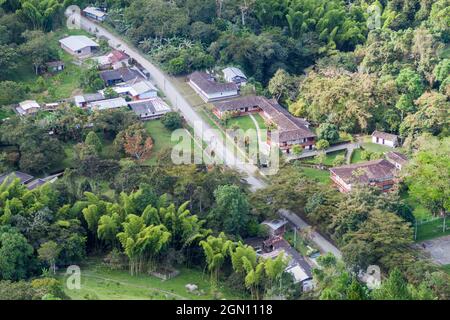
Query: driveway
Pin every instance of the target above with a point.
(181, 104)
(438, 249)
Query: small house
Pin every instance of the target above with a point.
(82, 101)
(143, 90)
(79, 46)
(383, 138)
(276, 227)
(380, 173)
(116, 59)
(149, 109)
(28, 107)
(108, 104)
(54, 66)
(398, 159)
(235, 75)
(209, 89)
(121, 75)
(95, 13)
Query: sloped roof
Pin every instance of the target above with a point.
(232, 72)
(76, 43)
(385, 135)
(149, 106)
(29, 104)
(124, 74)
(370, 171)
(142, 87)
(208, 85)
(108, 104)
(24, 177)
(397, 157)
(289, 127)
(95, 11)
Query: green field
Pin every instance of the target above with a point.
(446, 268)
(330, 157)
(322, 176)
(99, 282)
(5, 112)
(433, 229)
(161, 138)
(58, 86)
(419, 211)
(243, 122)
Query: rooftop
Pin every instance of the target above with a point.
(108, 104)
(385, 135)
(95, 11)
(275, 224)
(397, 157)
(24, 177)
(76, 43)
(365, 172)
(123, 74)
(209, 85)
(149, 107)
(232, 72)
(142, 87)
(29, 104)
(289, 127)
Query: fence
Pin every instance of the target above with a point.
(434, 227)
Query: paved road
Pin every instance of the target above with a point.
(201, 128)
(323, 244)
(438, 249)
(180, 103)
(307, 154)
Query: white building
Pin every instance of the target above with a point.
(149, 109)
(80, 46)
(143, 90)
(211, 90)
(387, 139)
(108, 104)
(95, 13)
(235, 75)
(28, 107)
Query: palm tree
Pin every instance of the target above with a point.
(216, 249)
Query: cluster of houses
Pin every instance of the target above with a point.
(27, 180)
(129, 82)
(382, 173)
(226, 100)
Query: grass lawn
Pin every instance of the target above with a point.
(98, 281)
(161, 138)
(58, 86)
(321, 176)
(356, 156)
(419, 211)
(330, 157)
(243, 122)
(5, 112)
(446, 268)
(367, 144)
(433, 229)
